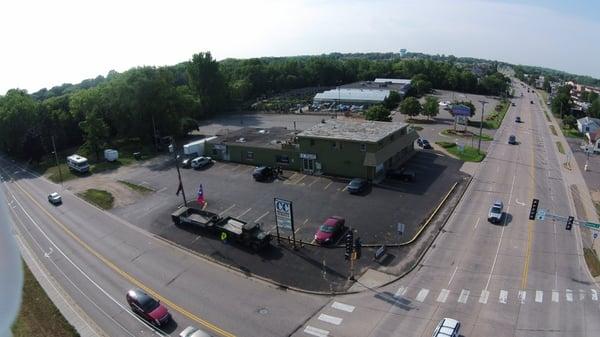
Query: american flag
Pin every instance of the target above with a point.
(200, 198)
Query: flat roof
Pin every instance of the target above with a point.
(392, 80)
(259, 137)
(353, 95)
(360, 131)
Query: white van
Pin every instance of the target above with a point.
(78, 163)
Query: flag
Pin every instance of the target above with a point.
(200, 198)
(179, 189)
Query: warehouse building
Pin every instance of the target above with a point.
(363, 92)
(347, 148)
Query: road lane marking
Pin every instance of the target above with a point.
(555, 296)
(530, 223)
(539, 296)
(503, 296)
(422, 295)
(443, 296)
(262, 216)
(327, 186)
(452, 276)
(343, 307)
(311, 330)
(400, 292)
(330, 319)
(484, 296)
(594, 295)
(581, 294)
(313, 182)
(245, 212)
(569, 295)
(227, 209)
(124, 274)
(464, 296)
(476, 223)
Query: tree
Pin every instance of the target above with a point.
(569, 121)
(410, 106)
(561, 103)
(431, 107)
(391, 102)
(420, 85)
(546, 86)
(378, 113)
(95, 132)
(18, 115)
(206, 80)
(594, 109)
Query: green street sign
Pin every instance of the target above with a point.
(592, 225)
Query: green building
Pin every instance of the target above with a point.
(344, 148)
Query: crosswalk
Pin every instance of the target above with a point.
(329, 319)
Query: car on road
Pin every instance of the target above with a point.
(329, 230)
(262, 173)
(518, 119)
(424, 143)
(54, 198)
(402, 174)
(191, 331)
(357, 185)
(447, 327)
(148, 308)
(512, 140)
(200, 162)
(513, 104)
(186, 163)
(495, 213)
(531, 102)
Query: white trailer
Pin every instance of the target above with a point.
(78, 163)
(111, 155)
(196, 148)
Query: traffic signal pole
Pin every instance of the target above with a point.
(543, 214)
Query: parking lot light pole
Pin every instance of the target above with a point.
(483, 103)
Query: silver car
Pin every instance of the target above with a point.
(447, 327)
(190, 331)
(54, 198)
(495, 213)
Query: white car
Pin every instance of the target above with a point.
(190, 331)
(447, 327)
(200, 162)
(495, 213)
(54, 198)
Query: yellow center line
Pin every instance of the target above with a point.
(530, 223)
(125, 275)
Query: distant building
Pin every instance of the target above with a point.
(352, 96)
(588, 124)
(594, 140)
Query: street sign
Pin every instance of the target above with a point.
(283, 214)
(592, 225)
(595, 235)
(541, 214)
(400, 228)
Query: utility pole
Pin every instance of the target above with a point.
(483, 103)
(57, 164)
(180, 187)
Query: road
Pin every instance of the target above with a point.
(96, 257)
(518, 278)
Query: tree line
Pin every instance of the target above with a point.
(146, 102)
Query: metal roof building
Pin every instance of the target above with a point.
(352, 96)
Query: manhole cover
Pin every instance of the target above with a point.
(263, 311)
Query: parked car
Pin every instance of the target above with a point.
(262, 173)
(200, 162)
(447, 327)
(512, 140)
(518, 119)
(148, 308)
(402, 174)
(329, 230)
(186, 163)
(54, 198)
(495, 213)
(424, 143)
(191, 331)
(357, 185)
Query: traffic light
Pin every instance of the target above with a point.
(357, 247)
(570, 223)
(534, 207)
(349, 242)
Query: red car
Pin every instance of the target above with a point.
(148, 308)
(331, 228)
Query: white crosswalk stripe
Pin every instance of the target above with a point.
(311, 330)
(464, 296)
(422, 295)
(330, 319)
(581, 294)
(594, 295)
(484, 296)
(503, 297)
(343, 307)
(443, 296)
(539, 296)
(555, 296)
(400, 292)
(569, 295)
(522, 296)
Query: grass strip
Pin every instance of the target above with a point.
(451, 133)
(561, 149)
(136, 187)
(38, 315)
(592, 261)
(469, 153)
(553, 129)
(100, 198)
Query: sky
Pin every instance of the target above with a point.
(47, 43)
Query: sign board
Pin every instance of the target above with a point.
(541, 214)
(592, 225)
(283, 214)
(461, 120)
(461, 110)
(308, 156)
(400, 227)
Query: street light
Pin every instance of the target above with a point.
(483, 103)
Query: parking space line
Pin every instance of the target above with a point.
(298, 228)
(330, 319)
(313, 182)
(245, 212)
(343, 189)
(299, 180)
(227, 209)
(327, 186)
(262, 216)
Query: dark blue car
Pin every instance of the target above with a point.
(357, 185)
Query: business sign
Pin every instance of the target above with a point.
(283, 214)
(461, 110)
(308, 156)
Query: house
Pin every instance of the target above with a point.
(594, 139)
(587, 124)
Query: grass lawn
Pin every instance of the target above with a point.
(572, 133)
(561, 149)
(469, 153)
(136, 187)
(553, 129)
(100, 198)
(494, 119)
(592, 261)
(451, 133)
(38, 315)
